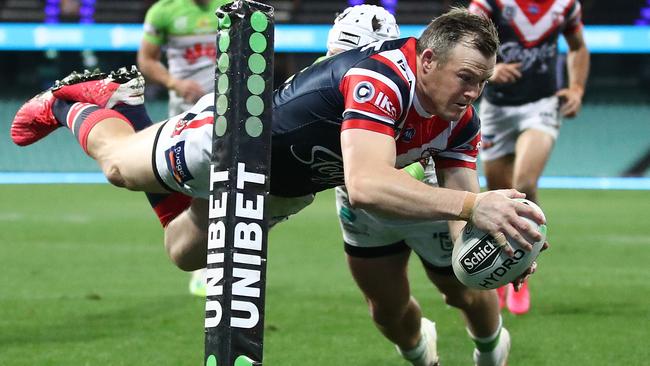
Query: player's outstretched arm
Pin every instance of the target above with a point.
(373, 183)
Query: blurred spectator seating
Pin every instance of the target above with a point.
(286, 11)
(106, 11)
(120, 11)
(22, 11)
(407, 11)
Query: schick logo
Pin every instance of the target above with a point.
(481, 256)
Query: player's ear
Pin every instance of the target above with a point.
(429, 60)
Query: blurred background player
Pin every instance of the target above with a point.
(522, 108)
(378, 249)
(359, 25)
(187, 30)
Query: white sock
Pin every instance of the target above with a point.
(416, 352)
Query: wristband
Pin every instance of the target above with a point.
(468, 206)
(415, 170)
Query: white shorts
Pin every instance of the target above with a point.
(501, 125)
(182, 152)
(369, 235)
(183, 147)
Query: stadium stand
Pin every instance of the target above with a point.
(120, 11)
(21, 11)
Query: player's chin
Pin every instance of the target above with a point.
(455, 111)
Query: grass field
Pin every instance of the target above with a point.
(85, 281)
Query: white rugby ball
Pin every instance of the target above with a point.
(479, 262)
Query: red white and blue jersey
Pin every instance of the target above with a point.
(529, 32)
(371, 88)
(451, 144)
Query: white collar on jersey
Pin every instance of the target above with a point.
(419, 108)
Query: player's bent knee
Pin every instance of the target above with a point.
(188, 254)
(461, 298)
(387, 313)
(113, 175)
(182, 259)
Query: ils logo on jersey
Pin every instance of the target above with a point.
(363, 92)
(175, 157)
(384, 103)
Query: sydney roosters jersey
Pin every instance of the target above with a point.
(451, 144)
(370, 88)
(529, 31)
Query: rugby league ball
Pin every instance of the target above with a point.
(480, 263)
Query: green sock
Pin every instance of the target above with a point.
(489, 343)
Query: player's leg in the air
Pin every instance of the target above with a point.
(105, 134)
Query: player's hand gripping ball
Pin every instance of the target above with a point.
(479, 262)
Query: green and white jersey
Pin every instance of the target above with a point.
(188, 32)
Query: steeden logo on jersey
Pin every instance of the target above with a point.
(175, 157)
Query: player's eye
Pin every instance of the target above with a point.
(465, 78)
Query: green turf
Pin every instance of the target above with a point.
(85, 281)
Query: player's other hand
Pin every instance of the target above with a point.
(570, 101)
(497, 214)
(519, 281)
(189, 90)
(506, 73)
